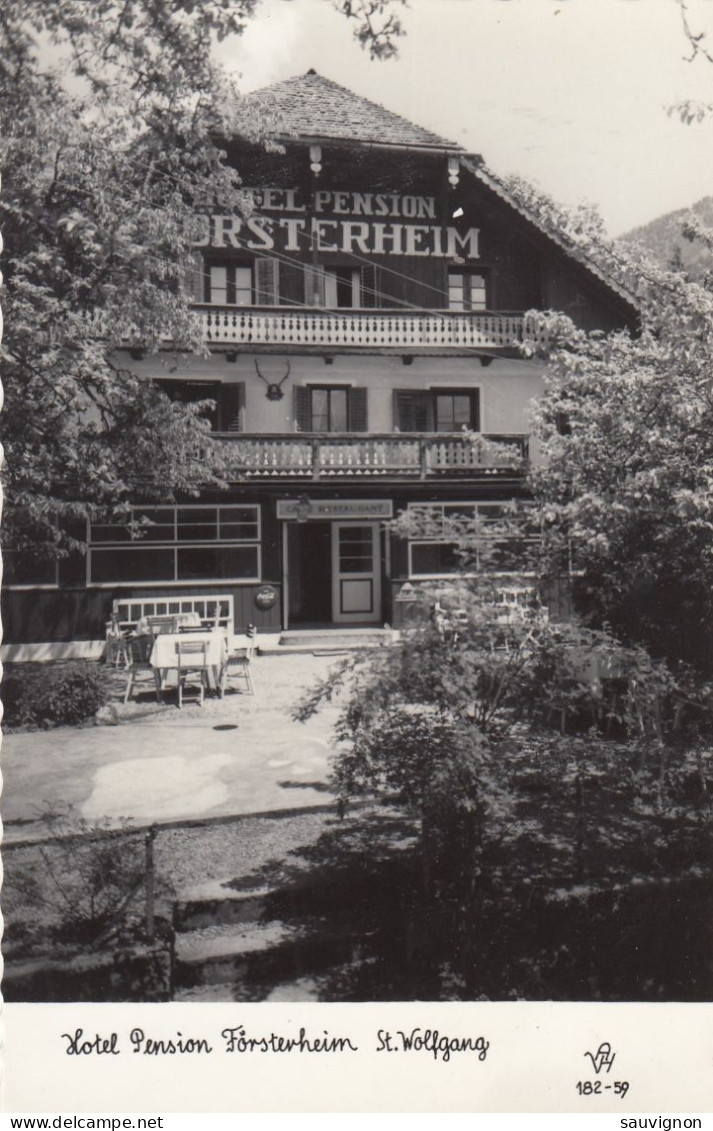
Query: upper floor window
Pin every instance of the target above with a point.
(437, 410)
(330, 408)
(240, 282)
(466, 291)
(226, 414)
(341, 287)
(229, 284)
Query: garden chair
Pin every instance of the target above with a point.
(117, 644)
(139, 651)
(192, 659)
(238, 664)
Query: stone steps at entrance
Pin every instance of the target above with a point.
(326, 640)
(286, 942)
(254, 958)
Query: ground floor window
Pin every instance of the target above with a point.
(434, 552)
(176, 544)
(22, 567)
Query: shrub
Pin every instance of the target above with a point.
(51, 695)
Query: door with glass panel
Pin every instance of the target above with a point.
(356, 573)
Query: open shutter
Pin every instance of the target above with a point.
(267, 281)
(232, 408)
(303, 409)
(194, 278)
(369, 286)
(314, 285)
(398, 424)
(357, 410)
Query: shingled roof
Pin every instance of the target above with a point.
(311, 106)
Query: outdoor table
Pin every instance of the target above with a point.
(164, 656)
(143, 628)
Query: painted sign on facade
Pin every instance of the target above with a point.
(334, 508)
(375, 225)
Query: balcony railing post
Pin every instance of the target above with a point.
(424, 447)
(316, 460)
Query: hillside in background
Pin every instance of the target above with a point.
(665, 243)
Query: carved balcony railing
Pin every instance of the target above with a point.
(308, 456)
(364, 329)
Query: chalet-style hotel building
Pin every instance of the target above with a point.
(365, 314)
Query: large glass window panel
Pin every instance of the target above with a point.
(197, 525)
(237, 523)
(154, 524)
(205, 562)
(320, 410)
(218, 285)
(137, 564)
(454, 411)
(338, 417)
(414, 412)
(110, 532)
(456, 298)
(243, 286)
(433, 558)
(22, 568)
(330, 410)
(477, 292)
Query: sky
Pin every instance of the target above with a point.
(571, 94)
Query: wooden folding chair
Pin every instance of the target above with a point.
(238, 664)
(117, 644)
(139, 651)
(192, 657)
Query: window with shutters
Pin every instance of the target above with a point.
(436, 410)
(226, 412)
(466, 291)
(330, 408)
(244, 282)
(176, 544)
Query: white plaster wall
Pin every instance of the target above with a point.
(508, 386)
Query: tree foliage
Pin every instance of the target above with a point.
(109, 153)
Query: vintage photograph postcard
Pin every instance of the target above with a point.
(357, 555)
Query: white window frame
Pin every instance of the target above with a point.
(465, 304)
(231, 269)
(176, 544)
(478, 509)
(330, 287)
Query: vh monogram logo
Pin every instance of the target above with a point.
(602, 1058)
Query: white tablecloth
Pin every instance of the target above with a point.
(164, 655)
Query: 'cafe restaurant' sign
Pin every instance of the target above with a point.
(378, 224)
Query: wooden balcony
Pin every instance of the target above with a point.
(412, 456)
(382, 330)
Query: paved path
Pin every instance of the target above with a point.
(239, 756)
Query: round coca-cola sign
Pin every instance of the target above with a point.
(265, 597)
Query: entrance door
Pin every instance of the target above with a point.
(309, 553)
(356, 573)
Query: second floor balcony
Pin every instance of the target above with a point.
(310, 457)
(380, 330)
